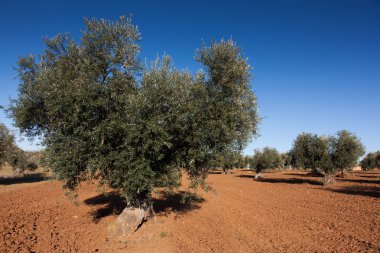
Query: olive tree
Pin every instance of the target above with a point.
(347, 148)
(268, 158)
(103, 115)
(327, 154)
(9, 151)
(231, 117)
(6, 144)
(342, 153)
(308, 150)
(371, 161)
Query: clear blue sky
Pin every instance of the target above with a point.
(316, 62)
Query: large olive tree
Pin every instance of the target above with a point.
(102, 115)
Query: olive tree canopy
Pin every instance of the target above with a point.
(6, 143)
(371, 161)
(268, 158)
(102, 115)
(327, 154)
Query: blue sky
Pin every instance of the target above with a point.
(316, 62)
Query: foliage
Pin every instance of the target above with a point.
(347, 148)
(6, 143)
(244, 161)
(326, 154)
(31, 166)
(102, 116)
(227, 161)
(308, 151)
(35, 159)
(248, 162)
(17, 158)
(268, 158)
(9, 152)
(371, 161)
(287, 159)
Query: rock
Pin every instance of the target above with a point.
(18, 173)
(328, 179)
(126, 223)
(258, 176)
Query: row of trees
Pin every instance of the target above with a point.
(371, 161)
(322, 154)
(103, 115)
(327, 154)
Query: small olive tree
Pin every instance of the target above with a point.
(6, 144)
(347, 148)
(9, 151)
(371, 161)
(308, 151)
(268, 158)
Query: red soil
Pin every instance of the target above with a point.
(288, 212)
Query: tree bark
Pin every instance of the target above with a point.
(328, 179)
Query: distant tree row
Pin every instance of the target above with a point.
(103, 115)
(371, 161)
(327, 154)
(324, 155)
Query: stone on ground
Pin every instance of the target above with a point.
(126, 223)
(258, 176)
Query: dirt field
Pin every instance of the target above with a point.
(288, 212)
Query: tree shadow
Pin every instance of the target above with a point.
(283, 180)
(246, 176)
(27, 178)
(367, 191)
(364, 173)
(215, 172)
(108, 204)
(290, 181)
(365, 176)
(303, 174)
(164, 204)
(113, 204)
(361, 181)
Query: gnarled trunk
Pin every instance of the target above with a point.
(130, 220)
(328, 179)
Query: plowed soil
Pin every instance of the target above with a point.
(286, 212)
